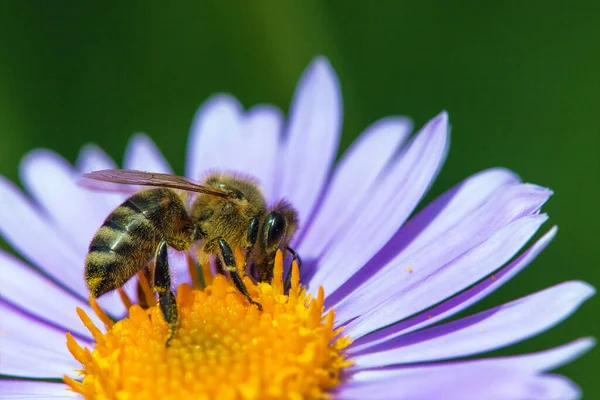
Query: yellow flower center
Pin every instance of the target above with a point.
(224, 347)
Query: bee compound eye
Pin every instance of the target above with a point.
(274, 229)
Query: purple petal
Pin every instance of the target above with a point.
(215, 130)
(22, 225)
(388, 206)
(260, 146)
(541, 361)
(39, 296)
(451, 278)
(485, 331)
(32, 349)
(354, 178)
(453, 206)
(254, 152)
(312, 137)
(507, 205)
(143, 155)
(440, 215)
(179, 268)
(457, 303)
(19, 389)
(463, 384)
(92, 158)
(52, 182)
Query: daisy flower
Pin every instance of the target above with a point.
(369, 314)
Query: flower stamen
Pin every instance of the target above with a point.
(194, 273)
(125, 298)
(106, 320)
(146, 295)
(224, 347)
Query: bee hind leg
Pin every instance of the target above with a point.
(229, 261)
(162, 286)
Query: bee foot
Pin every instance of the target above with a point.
(258, 305)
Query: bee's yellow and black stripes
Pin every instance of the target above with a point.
(128, 238)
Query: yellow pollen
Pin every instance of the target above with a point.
(224, 347)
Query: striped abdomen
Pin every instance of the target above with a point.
(128, 238)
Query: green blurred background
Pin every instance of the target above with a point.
(520, 79)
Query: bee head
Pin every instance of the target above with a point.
(276, 231)
(278, 228)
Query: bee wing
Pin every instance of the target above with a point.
(143, 178)
(99, 186)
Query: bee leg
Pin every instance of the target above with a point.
(288, 276)
(251, 238)
(229, 261)
(162, 286)
(219, 266)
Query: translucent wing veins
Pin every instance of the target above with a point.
(143, 178)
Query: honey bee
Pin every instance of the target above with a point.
(228, 212)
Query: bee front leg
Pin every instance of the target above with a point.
(251, 238)
(288, 277)
(162, 286)
(229, 261)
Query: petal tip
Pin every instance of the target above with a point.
(222, 100)
(320, 72)
(89, 148)
(439, 124)
(444, 116)
(580, 290)
(552, 232)
(34, 155)
(223, 104)
(589, 289)
(587, 343)
(442, 119)
(136, 139)
(140, 136)
(38, 158)
(321, 64)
